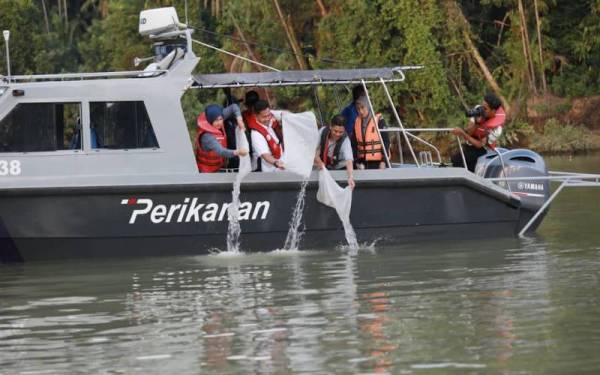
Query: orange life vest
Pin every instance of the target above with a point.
(274, 146)
(209, 161)
(368, 144)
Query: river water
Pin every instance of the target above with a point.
(512, 306)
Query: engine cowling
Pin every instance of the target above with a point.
(517, 163)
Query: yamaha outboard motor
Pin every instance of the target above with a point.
(504, 163)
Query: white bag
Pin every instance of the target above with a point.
(300, 136)
(332, 195)
(242, 142)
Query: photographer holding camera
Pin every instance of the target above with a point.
(482, 132)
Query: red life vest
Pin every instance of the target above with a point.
(368, 145)
(274, 146)
(247, 115)
(209, 161)
(330, 163)
(486, 127)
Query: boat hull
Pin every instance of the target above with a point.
(99, 222)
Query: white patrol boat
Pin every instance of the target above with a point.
(101, 165)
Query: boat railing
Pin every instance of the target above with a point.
(408, 133)
(83, 76)
(566, 179)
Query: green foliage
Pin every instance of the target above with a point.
(112, 43)
(392, 33)
(514, 131)
(574, 37)
(101, 35)
(21, 18)
(559, 137)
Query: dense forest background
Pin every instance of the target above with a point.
(540, 56)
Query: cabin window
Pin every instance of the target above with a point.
(32, 127)
(121, 125)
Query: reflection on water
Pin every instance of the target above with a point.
(506, 306)
(503, 306)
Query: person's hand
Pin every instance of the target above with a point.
(240, 123)
(279, 164)
(351, 182)
(319, 163)
(382, 165)
(242, 152)
(458, 132)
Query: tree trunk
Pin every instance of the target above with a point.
(297, 50)
(322, 8)
(46, 16)
(526, 46)
(454, 10)
(460, 96)
(251, 53)
(539, 33)
(502, 24)
(104, 8)
(291, 36)
(528, 70)
(66, 13)
(485, 70)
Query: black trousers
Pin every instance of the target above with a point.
(472, 153)
(368, 164)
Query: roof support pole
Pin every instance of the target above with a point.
(385, 151)
(462, 153)
(387, 93)
(318, 103)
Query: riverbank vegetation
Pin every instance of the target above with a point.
(540, 57)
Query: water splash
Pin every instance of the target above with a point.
(294, 234)
(355, 248)
(350, 234)
(233, 211)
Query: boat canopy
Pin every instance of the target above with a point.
(301, 77)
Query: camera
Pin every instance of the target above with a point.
(476, 111)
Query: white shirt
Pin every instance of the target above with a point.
(260, 147)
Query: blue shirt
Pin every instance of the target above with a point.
(350, 113)
(210, 143)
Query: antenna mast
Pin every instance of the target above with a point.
(186, 13)
(6, 34)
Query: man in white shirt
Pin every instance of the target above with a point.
(267, 149)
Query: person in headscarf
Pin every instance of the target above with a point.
(368, 143)
(350, 112)
(212, 153)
